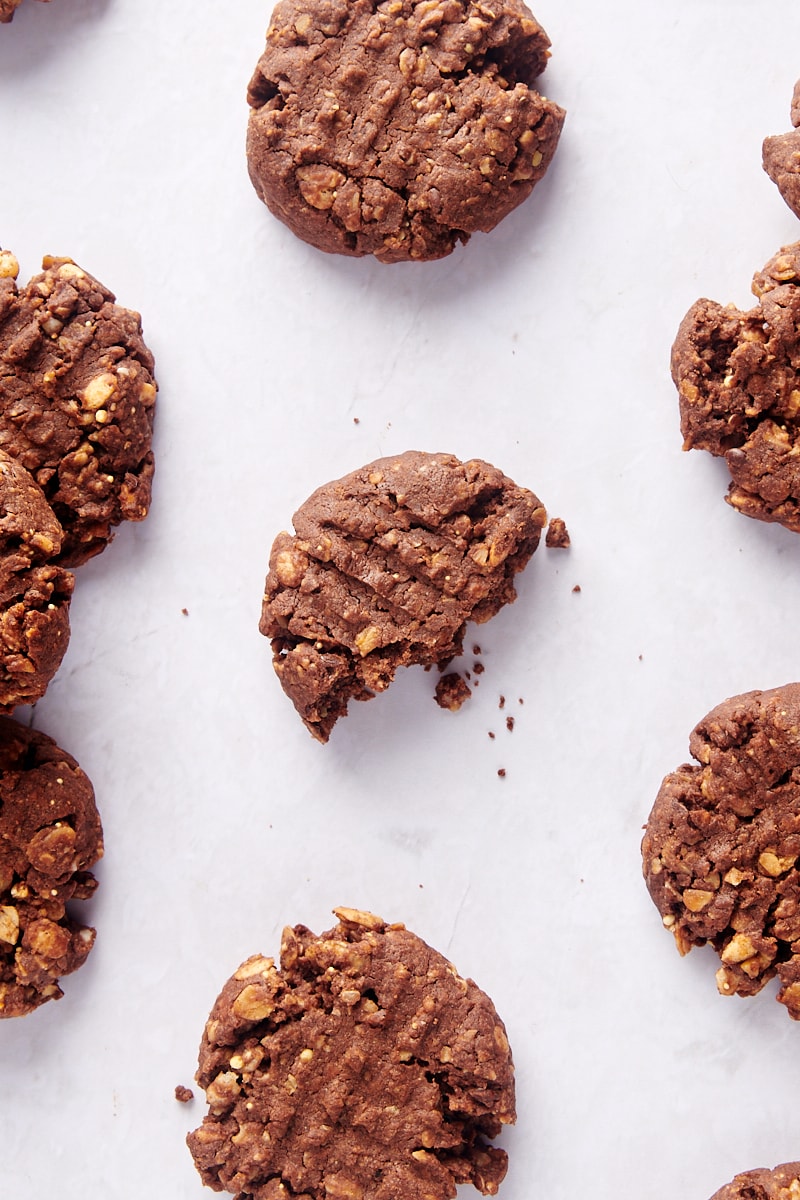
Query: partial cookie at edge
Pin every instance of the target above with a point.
(77, 398)
(50, 837)
(763, 1183)
(722, 843)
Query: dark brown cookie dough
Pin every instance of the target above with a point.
(738, 379)
(557, 536)
(779, 1183)
(781, 158)
(35, 593)
(452, 691)
(399, 128)
(50, 836)
(364, 1068)
(7, 10)
(722, 842)
(77, 399)
(385, 568)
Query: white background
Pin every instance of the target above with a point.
(544, 348)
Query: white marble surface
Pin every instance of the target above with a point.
(542, 347)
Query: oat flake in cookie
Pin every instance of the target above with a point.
(399, 128)
(722, 843)
(738, 379)
(779, 1183)
(77, 398)
(35, 592)
(50, 837)
(364, 1068)
(384, 569)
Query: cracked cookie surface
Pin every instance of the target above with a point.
(738, 378)
(35, 592)
(763, 1183)
(385, 568)
(50, 836)
(399, 128)
(720, 852)
(77, 399)
(364, 1068)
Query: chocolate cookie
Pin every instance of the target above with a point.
(35, 592)
(364, 1067)
(50, 836)
(399, 128)
(780, 1183)
(76, 400)
(721, 846)
(385, 568)
(7, 10)
(738, 378)
(781, 158)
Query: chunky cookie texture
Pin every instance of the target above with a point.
(399, 128)
(363, 1068)
(779, 1183)
(35, 592)
(384, 570)
(738, 379)
(781, 158)
(77, 399)
(722, 843)
(50, 837)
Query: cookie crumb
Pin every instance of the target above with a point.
(557, 536)
(183, 1094)
(185, 612)
(577, 587)
(510, 724)
(476, 649)
(491, 735)
(478, 668)
(452, 691)
(356, 421)
(502, 703)
(502, 772)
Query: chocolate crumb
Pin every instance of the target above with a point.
(183, 1094)
(557, 536)
(502, 772)
(510, 724)
(478, 668)
(520, 701)
(491, 735)
(476, 649)
(577, 587)
(185, 612)
(356, 421)
(451, 692)
(502, 703)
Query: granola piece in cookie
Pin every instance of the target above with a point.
(384, 570)
(722, 844)
(35, 592)
(398, 128)
(738, 379)
(777, 1183)
(781, 158)
(50, 837)
(364, 1066)
(77, 399)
